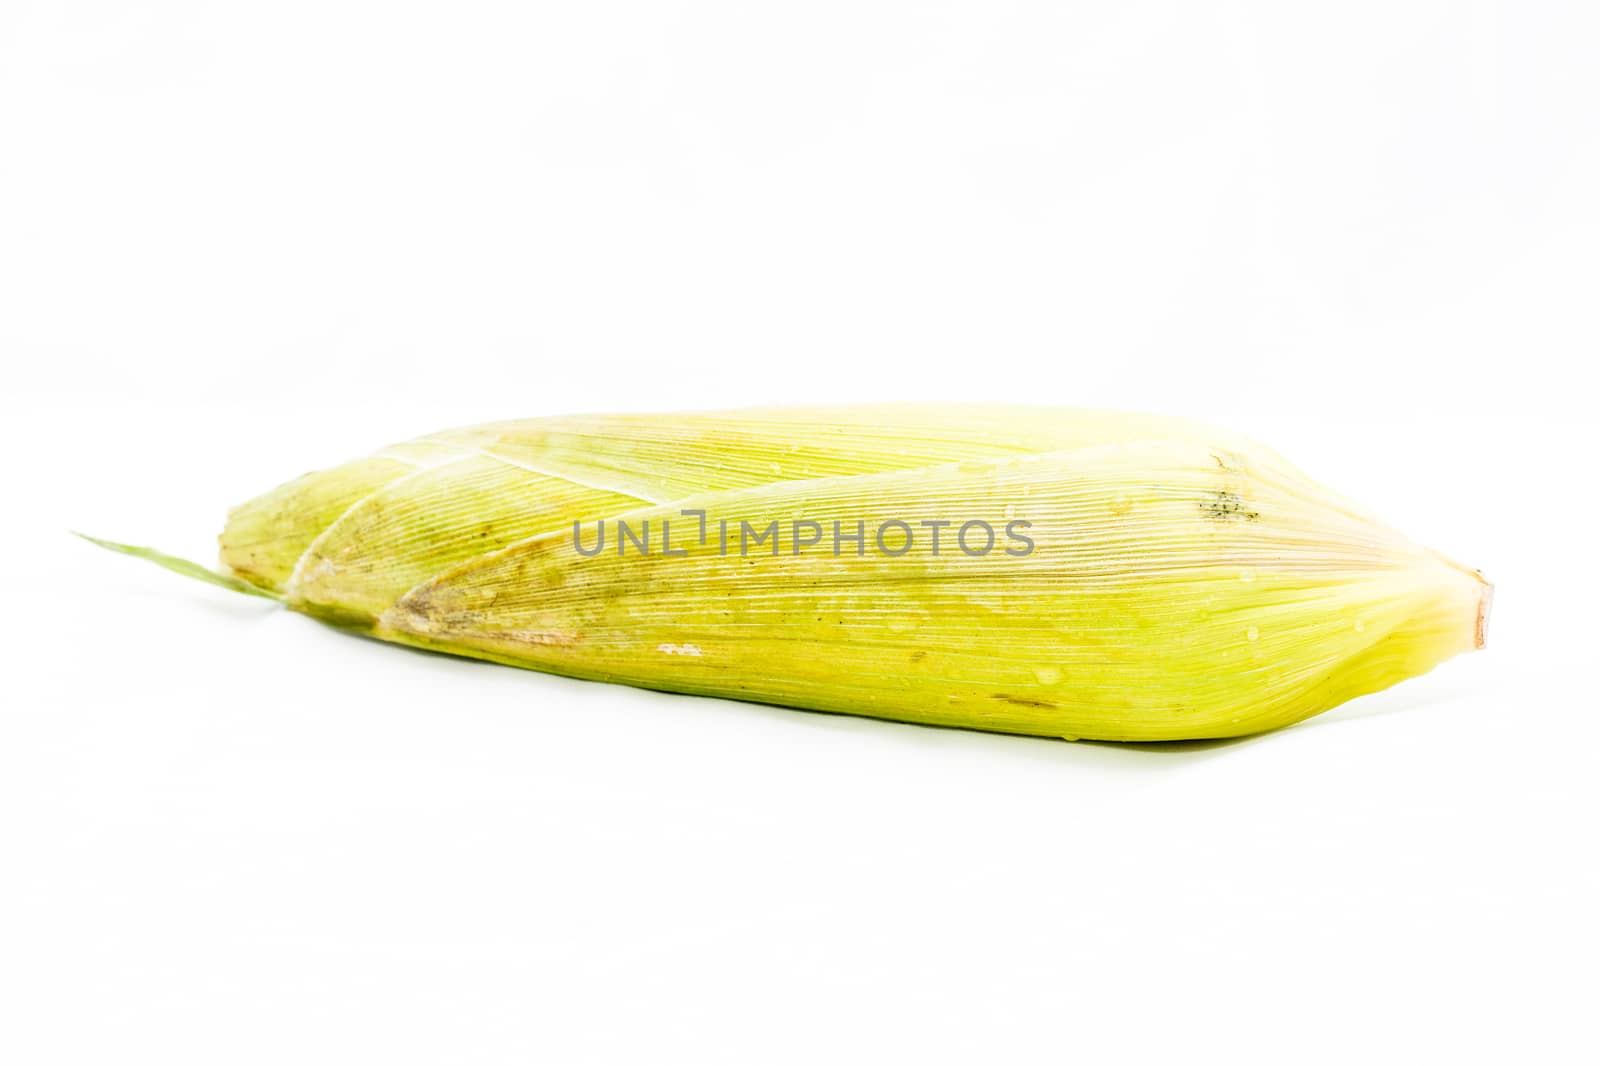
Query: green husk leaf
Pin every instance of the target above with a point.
(182, 566)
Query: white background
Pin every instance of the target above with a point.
(242, 241)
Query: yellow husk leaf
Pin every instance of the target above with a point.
(1183, 582)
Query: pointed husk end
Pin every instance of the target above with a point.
(182, 566)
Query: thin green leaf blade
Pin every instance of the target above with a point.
(182, 566)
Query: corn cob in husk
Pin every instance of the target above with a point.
(1143, 578)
